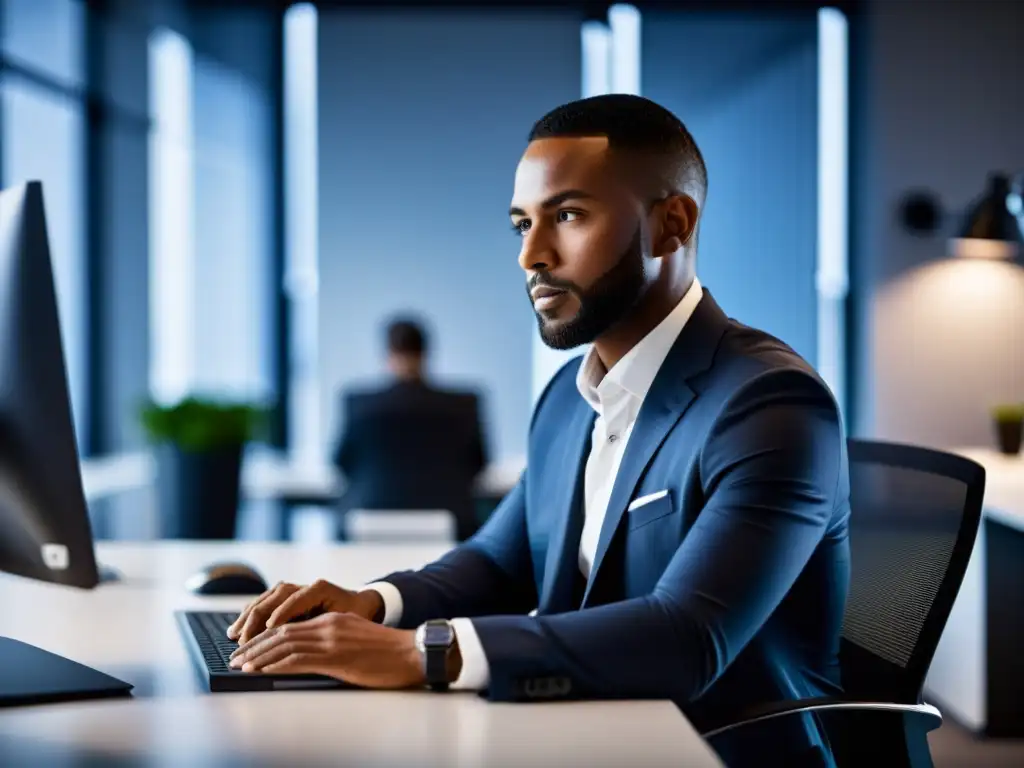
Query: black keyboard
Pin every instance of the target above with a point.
(205, 633)
(210, 631)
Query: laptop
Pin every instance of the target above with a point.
(205, 634)
(30, 675)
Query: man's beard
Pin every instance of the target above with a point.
(611, 297)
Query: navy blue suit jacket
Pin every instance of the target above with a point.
(726, 593)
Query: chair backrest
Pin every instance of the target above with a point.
(400, 526)
(914, 517)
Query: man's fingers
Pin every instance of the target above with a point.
(256, 621)
(254, 648)
(279, 652)
(271, 637)
(236, 627)
(295, 664)
(295, 605)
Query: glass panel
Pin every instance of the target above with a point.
(45, 35)
(43, 140)
(233, 350)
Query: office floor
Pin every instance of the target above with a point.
(953, 746)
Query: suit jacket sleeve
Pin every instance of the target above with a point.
(771, 467)
(492, 573)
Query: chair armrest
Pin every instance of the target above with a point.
(929, 717)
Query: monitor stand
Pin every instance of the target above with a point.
(30, 675)
(108, 573)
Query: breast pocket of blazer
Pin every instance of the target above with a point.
(647, 509)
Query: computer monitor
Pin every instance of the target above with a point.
(45, 531)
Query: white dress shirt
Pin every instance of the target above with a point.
(616, 396)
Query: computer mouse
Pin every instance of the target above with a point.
(227, 579)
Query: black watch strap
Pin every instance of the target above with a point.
(435, 640)
(436, 665)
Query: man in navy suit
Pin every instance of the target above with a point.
(410, 445)
(681, 527)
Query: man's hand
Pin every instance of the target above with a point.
(341, 645)
(285, 602)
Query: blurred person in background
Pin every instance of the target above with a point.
(410, 445)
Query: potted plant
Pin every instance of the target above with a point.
(199, 445)
(1009, 420)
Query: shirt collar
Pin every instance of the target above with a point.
(634, 373)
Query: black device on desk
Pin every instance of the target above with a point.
(227, 579)
(205, 633)
(44, 523)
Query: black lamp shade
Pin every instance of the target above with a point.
(992, 228)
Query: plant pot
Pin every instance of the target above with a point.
(198, 491)
(1009, 433)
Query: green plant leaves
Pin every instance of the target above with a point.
(197, 424)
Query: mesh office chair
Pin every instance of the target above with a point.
(914, 518)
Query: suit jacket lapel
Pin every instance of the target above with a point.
(669, 397)
(563, 549)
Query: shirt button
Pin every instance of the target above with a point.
(612, 438)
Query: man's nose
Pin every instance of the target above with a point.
(537, 255)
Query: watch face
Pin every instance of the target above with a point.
(438, 634)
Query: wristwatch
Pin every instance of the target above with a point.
(434, 640)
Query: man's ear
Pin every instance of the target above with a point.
(678, 214)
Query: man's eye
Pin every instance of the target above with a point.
(521, 227)
(567, 216)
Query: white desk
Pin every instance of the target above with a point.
(976, 674)
(1004, 485)
(127, 630)
(116, 474)
(263, 477)
(269, 477)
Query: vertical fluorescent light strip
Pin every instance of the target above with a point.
(624, 21)
(171, 238)
(301, 225)
(832, 276)
(596, 42)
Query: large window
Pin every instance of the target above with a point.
(233, 234)
(42, 140)
(42, 137)
(46, 36)
(210, 228)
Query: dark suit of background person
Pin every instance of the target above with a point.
(410, 445)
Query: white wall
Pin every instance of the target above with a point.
(939, 105)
